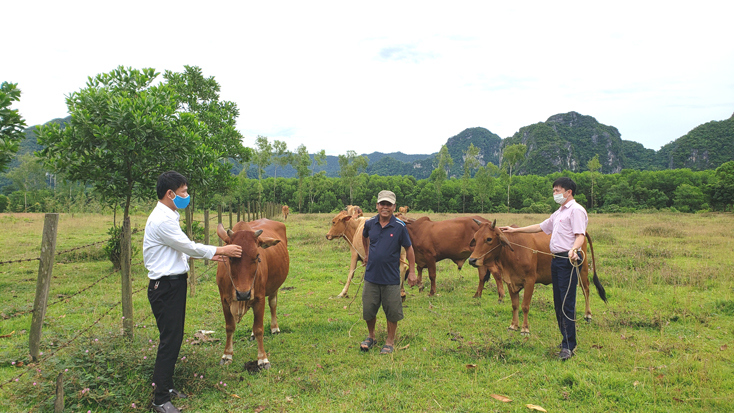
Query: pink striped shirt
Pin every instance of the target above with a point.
(564, 224)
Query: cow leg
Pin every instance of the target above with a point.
(257, 329)
(352, 270)
(515, 298)
(432, 276)
(230, 327)
(500, 288)
(273, 304)
(420, 279)
(526, 298)
(480, 286)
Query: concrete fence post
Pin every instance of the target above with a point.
(45, 271)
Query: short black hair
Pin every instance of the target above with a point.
(169, 180)
(566, 183)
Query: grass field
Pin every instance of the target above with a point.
(664, 341)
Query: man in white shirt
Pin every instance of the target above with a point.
(166, 250)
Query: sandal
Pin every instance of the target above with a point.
(367, 344)
(387, 349)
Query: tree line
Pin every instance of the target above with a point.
(126, 129)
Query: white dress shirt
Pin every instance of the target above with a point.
(166, 249)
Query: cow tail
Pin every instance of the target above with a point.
(597, 282)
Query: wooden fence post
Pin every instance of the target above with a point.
(45, 270)
(206, 230)
(230, 216)
(127, 284)
(59, 402)
(249, 210)
(219, 220)
(190, 233)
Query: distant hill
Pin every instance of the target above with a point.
(705, 147)
(565, 141)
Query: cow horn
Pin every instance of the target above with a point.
(477, 221)
(494, 223)
(258, 232)
(229, 233)
(222, 234)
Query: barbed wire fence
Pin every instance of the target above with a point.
(66, 299)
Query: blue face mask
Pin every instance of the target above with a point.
(181, 203)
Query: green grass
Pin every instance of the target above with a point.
(663, 343)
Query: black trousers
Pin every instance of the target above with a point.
(565, 279)
(168, 302)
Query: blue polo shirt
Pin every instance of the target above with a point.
(383, 266)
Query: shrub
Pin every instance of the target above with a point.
(113, 249)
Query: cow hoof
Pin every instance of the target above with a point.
(275, 331)
(225, 360)
(587, 318)
(402, 298)
(420, 289)
(511, 328)
(500, 301)
(342, 296)
(252, 337)
(263, 364)
(477, 295)
(525, 332)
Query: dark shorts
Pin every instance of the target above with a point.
(374, 295)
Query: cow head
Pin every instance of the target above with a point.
(243, 270)
(338, 225)
(487, 243)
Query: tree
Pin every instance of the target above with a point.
(723, 186)
(441, 172)
(124, 132)
(301, 161)
(208, 167)
(318, 160)
(471, 162)
(484, 182)
(594, 166)
(11, 124)
(28, 176)
(263, 158)
(511, 156)
(350, 166)
(688, 198)
(281, 157)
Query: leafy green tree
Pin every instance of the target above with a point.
(350, 166)
(471, 163)
(301, 161)
(11, 124)
(124, 132)
(723, 186)
(594, 166)
(263, 158)
(318, 160)
(208, 167)
(511, 156)
(439, 175)
(688, 198)
(484, 183)
(28, 176)
(281, 157)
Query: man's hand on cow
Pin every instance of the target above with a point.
(412, 279)
(507, 229)
(231, 250)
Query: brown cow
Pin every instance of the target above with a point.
(523, 259)
(245, 282)
(450, 239)
(346, 226)
(403, 209)
(355, 211)
(286, 211)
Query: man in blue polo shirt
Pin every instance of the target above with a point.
(382, 237)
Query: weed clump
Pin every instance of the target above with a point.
(661, 231)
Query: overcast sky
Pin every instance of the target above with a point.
(394, 76)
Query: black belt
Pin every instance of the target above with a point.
(561, 254)
(172, 277)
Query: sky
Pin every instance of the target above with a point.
(394, 75)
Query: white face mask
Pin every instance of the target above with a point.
(559, 198)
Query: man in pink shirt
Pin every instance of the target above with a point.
(567, 227)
